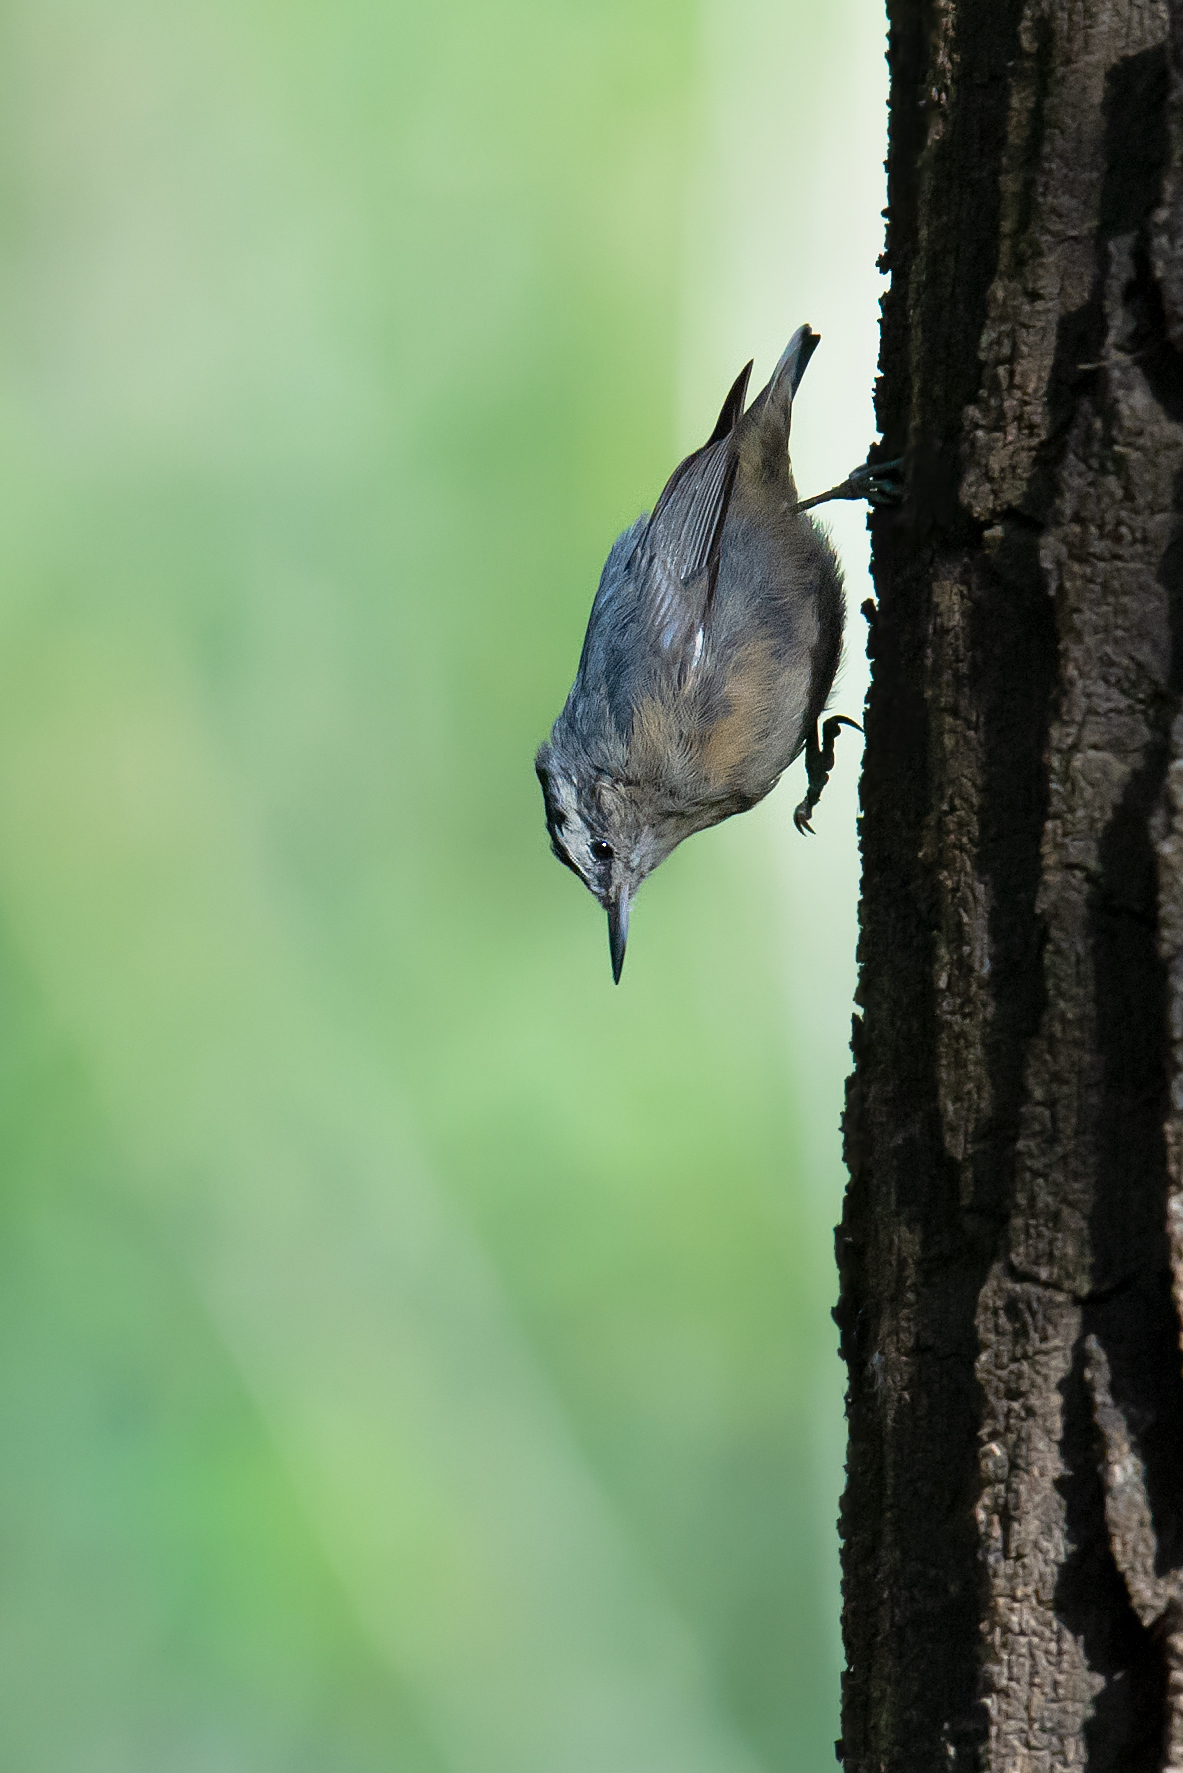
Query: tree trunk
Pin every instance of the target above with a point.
(1011, 1250)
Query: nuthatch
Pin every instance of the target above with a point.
(710, 653)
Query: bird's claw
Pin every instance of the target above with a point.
(880, 483)
(819, 761)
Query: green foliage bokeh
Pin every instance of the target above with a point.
(414, 1353)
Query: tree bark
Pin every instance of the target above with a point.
(1011, 1250)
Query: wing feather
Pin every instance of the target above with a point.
(679, 559)
(673, 566)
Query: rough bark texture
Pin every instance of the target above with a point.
(1011, 1250)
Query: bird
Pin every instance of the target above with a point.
(710, 654)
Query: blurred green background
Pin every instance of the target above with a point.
(415, 1354)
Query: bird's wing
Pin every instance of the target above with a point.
(678, 559)
(731, 411)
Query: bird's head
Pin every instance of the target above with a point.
(611, 832)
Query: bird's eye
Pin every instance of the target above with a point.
(601, 851)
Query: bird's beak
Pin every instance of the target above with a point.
(618, 930)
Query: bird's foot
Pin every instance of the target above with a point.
(819, 761)
(880, 483)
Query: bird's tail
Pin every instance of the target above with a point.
(770, 414)
(794, 360)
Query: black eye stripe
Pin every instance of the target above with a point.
(561, 855)
(556, 818)
(570, 828)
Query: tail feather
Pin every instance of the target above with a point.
(786, 377)
(794, 360)
(772, 409)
